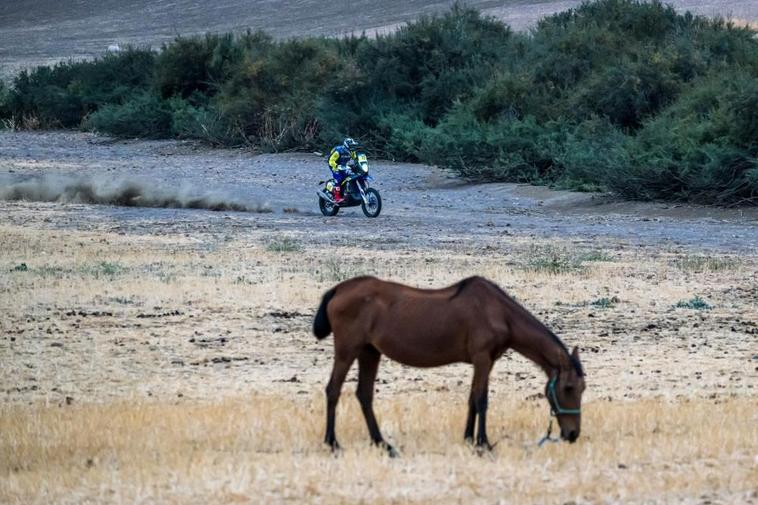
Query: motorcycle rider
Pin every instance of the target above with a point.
(339, 157)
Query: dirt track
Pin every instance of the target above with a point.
(424, 206)
(36, 32)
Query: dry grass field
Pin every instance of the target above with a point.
(162, 367)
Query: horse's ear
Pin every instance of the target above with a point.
(575, 353)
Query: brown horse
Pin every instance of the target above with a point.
(473, 321)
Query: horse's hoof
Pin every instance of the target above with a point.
(333, 445)
(484, 447)
(469, 440)
(391, 452)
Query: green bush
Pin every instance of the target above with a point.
(271, 99)
(702, 149)
(627, 93)
(64, 94)
(5, 112)
(144, 115)
(199, 122)
(420, 71)
(509, 150)
(591, 152)
(194, 67)
(695, 303)
(618, 95)
(506, 96)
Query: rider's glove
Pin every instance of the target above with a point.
(343, 168)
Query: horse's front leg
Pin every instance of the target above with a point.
(468, 434)
(368, 364)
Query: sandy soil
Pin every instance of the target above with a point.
(36, 32)
(185, 334)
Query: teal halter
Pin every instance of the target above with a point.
(552, 397)
(555, 410)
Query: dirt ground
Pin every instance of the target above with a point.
(165, 355)
(36, 32)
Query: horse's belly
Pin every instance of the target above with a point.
(422, 351)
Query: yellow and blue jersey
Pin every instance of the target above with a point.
(340, 156)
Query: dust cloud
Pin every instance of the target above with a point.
(122, 193)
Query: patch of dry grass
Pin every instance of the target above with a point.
(268, 448)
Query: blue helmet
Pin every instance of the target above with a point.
(349, 144)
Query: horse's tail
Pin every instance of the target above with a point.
(321, 326)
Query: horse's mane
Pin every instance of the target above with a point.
(463, 284)
(469, 280)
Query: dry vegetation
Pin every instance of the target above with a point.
(267, 448)
(166, 368)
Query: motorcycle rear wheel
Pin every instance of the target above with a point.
(374, 206)
(328, 208)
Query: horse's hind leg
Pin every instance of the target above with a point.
(368, 364)
(333, 389)
(479, 390)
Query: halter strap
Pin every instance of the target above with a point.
(555, 407)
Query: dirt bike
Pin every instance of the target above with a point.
(355, 189)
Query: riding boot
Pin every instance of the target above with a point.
(338, 194)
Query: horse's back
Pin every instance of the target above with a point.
(418, 327)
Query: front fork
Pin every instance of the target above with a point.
(363, 192)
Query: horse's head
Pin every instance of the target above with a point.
(564, 393)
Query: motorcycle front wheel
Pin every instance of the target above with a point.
(373, 204)
(328, 208)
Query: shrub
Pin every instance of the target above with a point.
(144, 115)
(64, 94)
(700, 264)
(505, 97)
(605, 302)
(552, 260)
(627, 93)
(590, 152)
(5, 113)
(271, 99)
(695, 303)
(197, 66)
(618, 95)
(201, 122)
(509, 150)
(34, 95)
(697, 150)
(420, 71)
(284, 244)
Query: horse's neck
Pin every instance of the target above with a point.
(539, 346)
